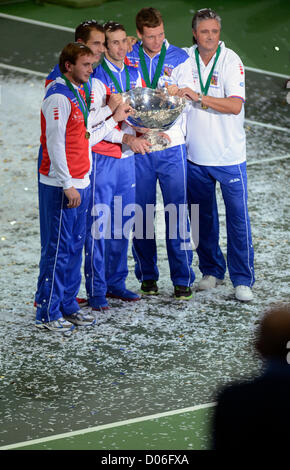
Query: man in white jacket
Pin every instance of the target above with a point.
(216, 147)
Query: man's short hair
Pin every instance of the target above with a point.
(273, 335)
(111, 27)
(149, 17)
(83, 30)
(71, 52)
(204, 14)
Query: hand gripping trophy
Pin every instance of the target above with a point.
(154, 111)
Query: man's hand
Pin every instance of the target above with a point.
(122, 112)
(165, 136)
(74, 197)
(137, 144)
(114, 101)
(131, 40)
(188, 93)
(172, 89)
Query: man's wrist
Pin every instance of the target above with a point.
(126, 139)
(199, 99)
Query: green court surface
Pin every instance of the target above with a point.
(258, 30)
(181, 431)
(126, 383)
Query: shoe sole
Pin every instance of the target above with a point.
(99, 309)
(151, 292)
(112, 296)
(84, 323)
(83, 304)
(59, 330)
(244, 300)
(183, 297)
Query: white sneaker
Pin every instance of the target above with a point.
(208, 282)
(244, 293)
(80, 318)
(56, 325)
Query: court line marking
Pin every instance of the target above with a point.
(37, 23)
(270, 126)
(269, 160)
(267, 72)
(23, 70)
(71, 30)
(108, 426)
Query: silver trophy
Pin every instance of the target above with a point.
(154, 110)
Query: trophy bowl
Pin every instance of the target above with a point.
(153, 108)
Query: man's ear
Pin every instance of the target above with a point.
(68, 66)
(139, 35)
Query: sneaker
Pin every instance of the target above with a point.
(61, 324)
(208, 282)
(244, 293)
(182, 292)
(82, 302)
(123, 294)
(149, 287)
(80, 318)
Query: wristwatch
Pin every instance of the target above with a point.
(199, 98)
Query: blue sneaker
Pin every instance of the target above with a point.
(123, 294)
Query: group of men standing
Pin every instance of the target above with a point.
(93, 165)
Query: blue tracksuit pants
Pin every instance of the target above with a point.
(62, 235)
(110, 220)
(169, 167)
(202, 191)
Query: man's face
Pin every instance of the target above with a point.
(207, 35)
(80, 71)
(117, 45)
(96, 43)
(152, 38)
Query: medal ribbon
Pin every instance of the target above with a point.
(158, 70)
(204, 89)
(84, 105)
(116, 83)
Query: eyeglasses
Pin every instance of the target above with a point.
(206, 11)
(80, 45)
(110, 25)
(89, 23)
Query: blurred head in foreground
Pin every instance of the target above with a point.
(273, 336)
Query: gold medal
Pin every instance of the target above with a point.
(204, 106)
(87, 135)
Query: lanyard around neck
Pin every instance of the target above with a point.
(84, 105)
(116, 83)
(204, 89)
(158, 70)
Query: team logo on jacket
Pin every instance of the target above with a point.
(214, 79)
(167, 71)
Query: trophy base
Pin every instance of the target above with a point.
(157, 141)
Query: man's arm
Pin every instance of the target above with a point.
(56, 110)
(106, 129)
(230, 105)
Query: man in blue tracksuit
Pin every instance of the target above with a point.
(162, 64)
(112, 203)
